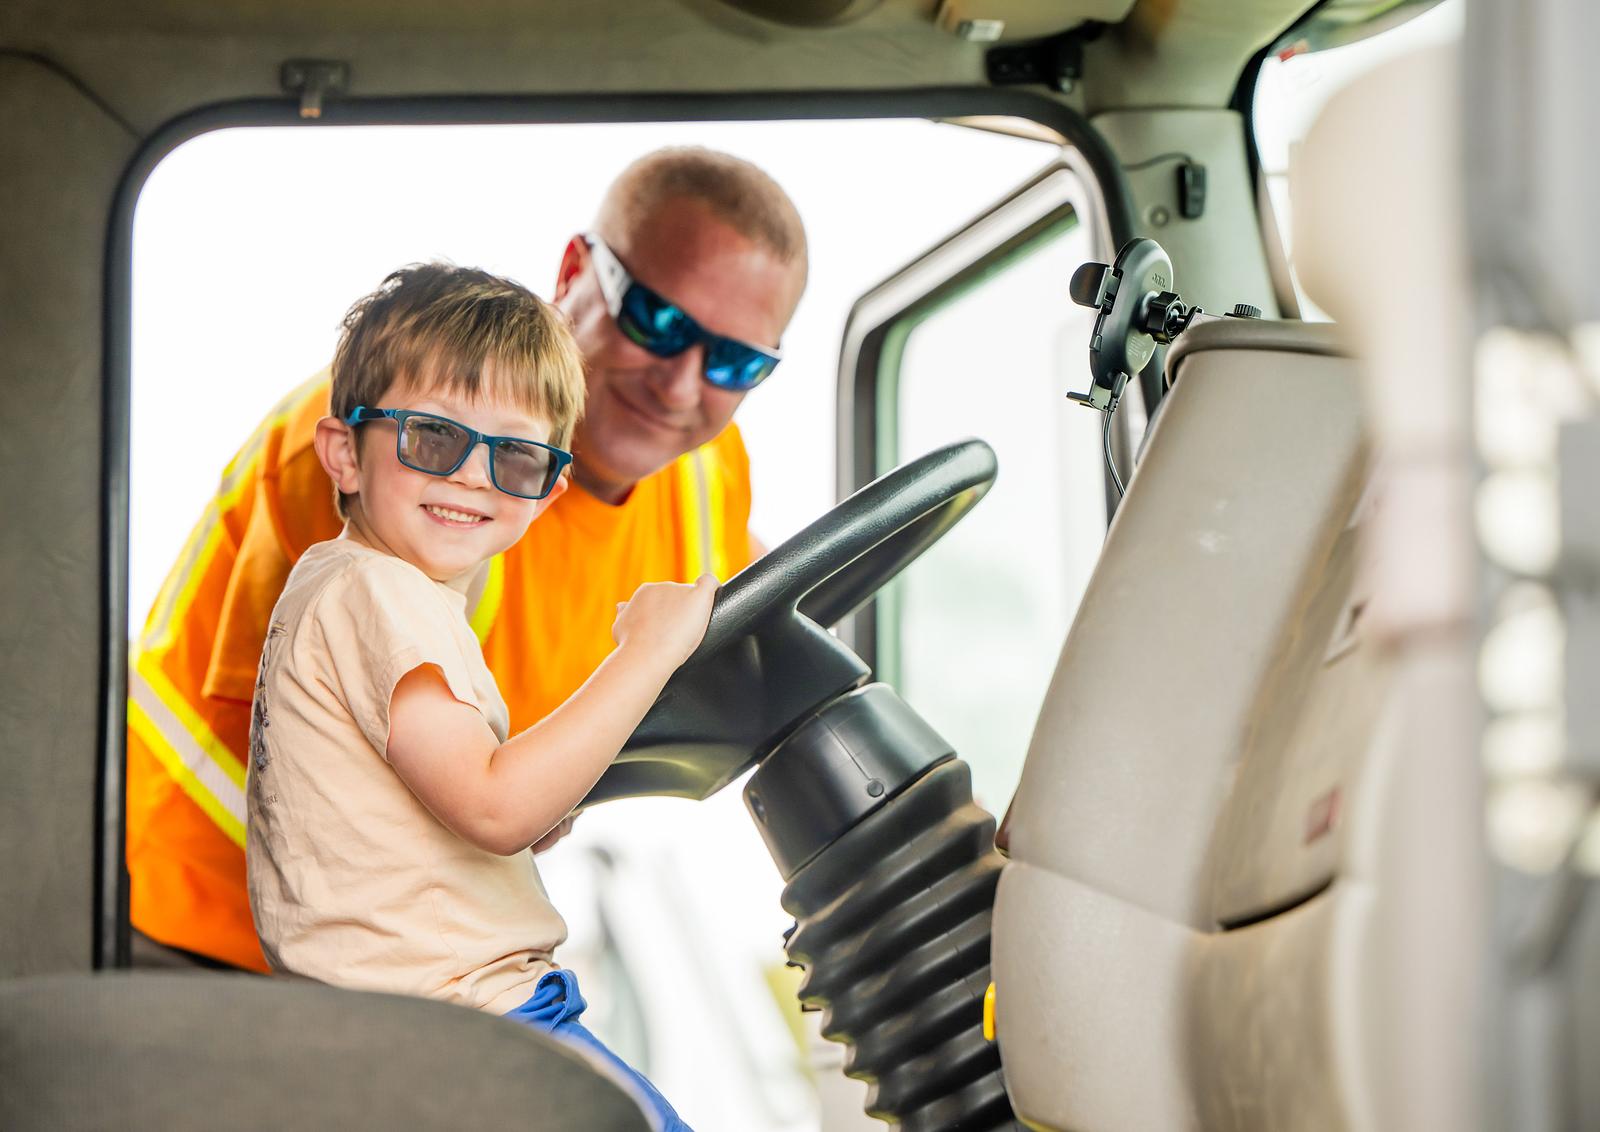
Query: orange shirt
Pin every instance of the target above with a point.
(544, 617)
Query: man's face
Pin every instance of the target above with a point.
(643, 412)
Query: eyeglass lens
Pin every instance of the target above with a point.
(429, 444)
(666, 331)
(438, 447)
(522, 469)
(657, 325)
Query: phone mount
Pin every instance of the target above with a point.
(1138, 310)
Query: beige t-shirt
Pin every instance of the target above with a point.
(352, 880)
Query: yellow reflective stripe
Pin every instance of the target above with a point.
(177, 591)
(488, 607)
(180, 580)
(206, 778)
(717, 518)
(691, 490)
(148, 676)
(704, 492)
(178, 588)
(187, 780)
(197, 760)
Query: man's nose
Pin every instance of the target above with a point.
(677, 380)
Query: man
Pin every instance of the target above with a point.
(678, 299)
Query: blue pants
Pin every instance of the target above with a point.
(555, 1007)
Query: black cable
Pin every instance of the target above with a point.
(1158, 159)
(1111, 463)
(73, 81)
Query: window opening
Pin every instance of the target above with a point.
(249, 246)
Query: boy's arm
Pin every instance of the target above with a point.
(503, 797)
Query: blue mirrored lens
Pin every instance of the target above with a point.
(733, 365)
(657, 325)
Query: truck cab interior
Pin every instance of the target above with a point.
(1299, 818)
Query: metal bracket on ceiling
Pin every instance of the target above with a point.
(1055, 61)
(312, 80)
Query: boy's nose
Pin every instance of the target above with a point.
(474, 470)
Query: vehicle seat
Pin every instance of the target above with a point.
(172, 1052)
(1233, 899)
(1175, 833)
(1237, 848)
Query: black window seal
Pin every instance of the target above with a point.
(869, 363)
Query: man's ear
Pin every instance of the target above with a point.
(556, 492)
(335, 443)
(573, 262)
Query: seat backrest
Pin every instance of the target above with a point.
(1244, 846)
(171, 1052)
(1175, 837)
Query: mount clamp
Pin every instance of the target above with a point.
(1137, 310)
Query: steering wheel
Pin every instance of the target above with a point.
(767, 661)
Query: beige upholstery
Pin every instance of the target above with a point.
(1212, 700)
(1242, 887)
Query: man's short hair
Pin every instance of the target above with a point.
(737, 192)
(436, 325)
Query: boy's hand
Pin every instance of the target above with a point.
(667, 619)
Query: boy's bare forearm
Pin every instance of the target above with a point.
(503, 797)
(536, 777)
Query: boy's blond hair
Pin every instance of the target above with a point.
(434, 325)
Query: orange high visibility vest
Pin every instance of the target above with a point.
(544, 617)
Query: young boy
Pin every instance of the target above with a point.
(389, 812)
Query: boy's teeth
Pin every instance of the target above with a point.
(455, 516)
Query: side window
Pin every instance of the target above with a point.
(978, 338)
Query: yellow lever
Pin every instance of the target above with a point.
(988, 1013)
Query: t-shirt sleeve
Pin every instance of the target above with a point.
(380, 621)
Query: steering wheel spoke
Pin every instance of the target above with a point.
(767, 662)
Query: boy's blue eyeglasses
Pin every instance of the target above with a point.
(427, 442)
(666, 329)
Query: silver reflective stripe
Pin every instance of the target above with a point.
(212, 777)
(158, 634)
(703, 491)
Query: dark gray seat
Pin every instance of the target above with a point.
(170, 1052)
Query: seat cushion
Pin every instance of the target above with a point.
(172, 1052)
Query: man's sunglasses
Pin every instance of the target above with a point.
(666, 330)
(438, 446)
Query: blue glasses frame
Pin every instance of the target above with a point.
(664, 328)
(560, 458)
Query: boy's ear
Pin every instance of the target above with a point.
(573, 261)
(335, 443)
(556, 492)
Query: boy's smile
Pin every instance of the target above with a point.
(445, 525)
(456, 517)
